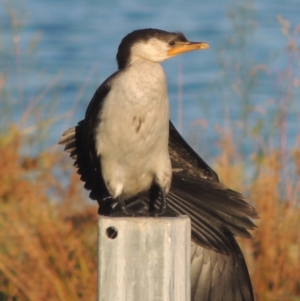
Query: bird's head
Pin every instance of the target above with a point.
(153, 45)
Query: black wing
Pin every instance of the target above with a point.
(79, 141)
(197, 192)
(218, 268)
(185, 159)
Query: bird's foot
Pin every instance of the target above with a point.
(164, 210)
(124, 212)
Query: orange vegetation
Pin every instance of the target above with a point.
(48, 232)
(273, 255)
(48, 246)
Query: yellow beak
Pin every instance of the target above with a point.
(187, 46)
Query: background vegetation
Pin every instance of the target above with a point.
(48, 230)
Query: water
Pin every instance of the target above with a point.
(61, 51)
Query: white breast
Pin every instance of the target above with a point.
(132, 137)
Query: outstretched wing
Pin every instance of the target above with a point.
(185, 159)
(79, 141)
(197, 192)
(218, 268)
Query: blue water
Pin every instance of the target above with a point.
(55, 54)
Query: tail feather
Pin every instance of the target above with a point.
(217, 277)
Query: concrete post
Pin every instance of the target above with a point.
(144, 259)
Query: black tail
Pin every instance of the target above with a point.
(217, 277)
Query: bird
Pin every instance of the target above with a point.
(134, 162)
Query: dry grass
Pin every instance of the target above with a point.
(48, 248)
(273, 255)
(48, 233)
(276, 247)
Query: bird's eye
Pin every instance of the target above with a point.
(172, 43)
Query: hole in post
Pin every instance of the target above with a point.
(111, 232)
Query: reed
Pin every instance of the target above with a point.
(48, 244)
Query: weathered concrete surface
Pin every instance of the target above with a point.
(148, 260)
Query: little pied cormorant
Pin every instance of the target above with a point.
(133, 160)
